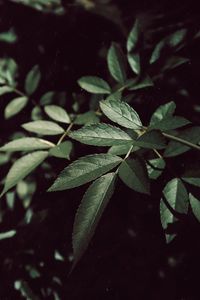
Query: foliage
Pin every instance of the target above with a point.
(125, 149)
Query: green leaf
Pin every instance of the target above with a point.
(175, 148)
(162, 112)
(22, 167)
(47, 98)
(84, 170)
(151, 140)
(121, 149)
(101, 135)
(177, 198)
(133, 37)
(134, 62)
(192, 180)
(8, 36)
(62, 151)
(171, 41)
(5, 90)
(195, 205)
(43, 127)
(32, 80)
(26, 144)
(169, 123)
(155, 167)
(90, 211)
(86, 118)
(117, 96)
(57, 113)
(174, 62)
(15, 106)
(7, 234)
(133, 173)
(94, 84)
(135, 84)
(116, 63)
(121, 113)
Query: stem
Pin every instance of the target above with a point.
(157, 153)
(19, 92)
(65, 134)
(127, 155)
(177, 139)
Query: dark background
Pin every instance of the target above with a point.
(128, 257)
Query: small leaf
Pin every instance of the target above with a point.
(94, 84)
(47, 98)
(32, 80)
(177, 198)
(192, 180)
(101, 135)
(84, 170)
(7, 235)
(116, 63)
(121, 149)
(121, 113)
(43, 127)
(63, 150)
(170, 123)
(151, 140)
(134, 62)
(135, 84)
(116, 96)
(15, 106)
(57, 113)
(133, 37)
(5, 90)
(163, 111)
(195, 205)
(134, 174)
(155, 167)
(8, 36)
(87, 118)
(27, 144)
(90, 211)
(22, 167)
(174, 62)
(175, 148)
(171, 41)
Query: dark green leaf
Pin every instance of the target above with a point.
(169, 123)
(151, 139)
(163, 111)
(84, 170)
(155, 167)
(116, 63)
(121, 149)
(90, 211)
(195, 205)
(32, 80)
(190, 134)
(134, 174)
(134, 62)
(136, 84)
(192, 180)
(87, 118)
(133, 37)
